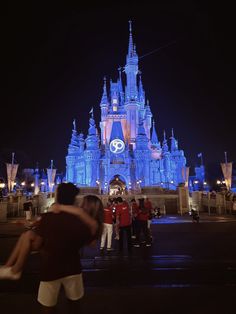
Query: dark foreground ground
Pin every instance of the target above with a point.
(190, 268)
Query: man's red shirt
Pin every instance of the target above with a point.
(108, 216)
(123, 214)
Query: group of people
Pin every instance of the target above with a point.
(132, 220)
(59, 235)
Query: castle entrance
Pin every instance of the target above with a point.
(117, 186)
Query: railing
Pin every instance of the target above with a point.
(215, 203)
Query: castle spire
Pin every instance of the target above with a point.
(131, 45)
(74, 138)
(74, 125)
(131, 69)
(141, 90)
(165, 147)
(104, 100)
(154, 134)
(174, 142)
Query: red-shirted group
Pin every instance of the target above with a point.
(131, 221)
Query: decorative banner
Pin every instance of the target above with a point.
(51, 178)
(36, 183)
(185, 175)
(227, 172)
(11, 175)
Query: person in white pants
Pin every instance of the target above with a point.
(107, 228)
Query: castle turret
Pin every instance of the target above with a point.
(141, 92)
(148, 120)
(81, 142)
(73, 151)
(92, 140)
(165, 147)
(142, 154)
(154, 140)
(131, 90)
(174, 142)
(92, 154)
(120, 87)
(131, 69)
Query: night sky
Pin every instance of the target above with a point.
(58, 55)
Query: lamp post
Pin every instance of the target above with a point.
(98, 184)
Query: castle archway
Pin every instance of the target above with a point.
(117, 185)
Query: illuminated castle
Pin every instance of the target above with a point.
(127, 153)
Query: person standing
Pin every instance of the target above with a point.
(124, 217)
(116, 222)
(134, 214)
(148, 206)
(28, 206)
(107, 227)
(142, 224)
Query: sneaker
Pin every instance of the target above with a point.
(136, 245)
(7, 273)
(101, 248)
(148, 244)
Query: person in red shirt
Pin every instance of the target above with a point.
(123, 215)
(142, 224)
(116, 223)
(107, 226)
(134, 214)
(148, 205)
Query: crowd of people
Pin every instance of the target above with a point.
(130, 221)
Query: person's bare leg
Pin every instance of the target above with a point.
(28, 241)
(31, 242)
(14, 254)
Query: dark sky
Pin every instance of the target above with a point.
(56, 57)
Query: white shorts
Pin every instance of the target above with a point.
(49, 290)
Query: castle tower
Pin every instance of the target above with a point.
(92, 154)
(73, 150)
(131, 90)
